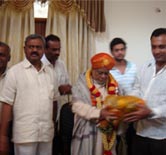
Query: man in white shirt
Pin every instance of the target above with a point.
(51, 58)
(151, 86)
(52, 53)
(27, 96)
(4, 59)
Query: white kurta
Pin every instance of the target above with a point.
(62, 77)
(31, 93)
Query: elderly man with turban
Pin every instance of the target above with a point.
(88, 106)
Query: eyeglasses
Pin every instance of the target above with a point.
(33, 46)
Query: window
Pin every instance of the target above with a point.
(40, 10)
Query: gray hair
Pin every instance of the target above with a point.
(35, 36)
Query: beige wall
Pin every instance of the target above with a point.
(134, 21)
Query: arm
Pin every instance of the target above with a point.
(89, 112)
(6, 118)
(142, 112)
(153, 92)
(64, 85)
(85, 110)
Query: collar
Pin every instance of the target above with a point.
(27, 64)
(46, 61)
(128, 64)
(3, 75)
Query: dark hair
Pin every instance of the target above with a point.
(35, 36)
(51, 37)
(157, 32)
(2, 44)
(116, 41)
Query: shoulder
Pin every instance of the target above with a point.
(149, 63)
(81, 79)
(131, 64)
(48, 68)
(14, 72)
(45, 60)
(147, 66)
(16, 68)
(132, 67)
(60, 62)
(60, 65)
(80, 84)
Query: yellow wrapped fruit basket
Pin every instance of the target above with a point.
(119, 105)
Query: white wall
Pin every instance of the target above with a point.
(134, 21)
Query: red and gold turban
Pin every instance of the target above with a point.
(101, 60)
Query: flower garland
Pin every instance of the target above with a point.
(108, 142)
(108, 139)
(95, 94)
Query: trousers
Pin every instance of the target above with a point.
(148, 146)
(35, 148)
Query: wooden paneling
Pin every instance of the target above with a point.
(40, 26)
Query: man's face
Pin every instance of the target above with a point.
(100, 75)
(34, 50)
(53, 50)
(158, 45)
(119, 52)
(4, 56)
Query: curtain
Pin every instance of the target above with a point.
(93, 13)
(77, 38)
(91, 10)
(74, 21)
(17, 22)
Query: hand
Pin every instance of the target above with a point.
(65, 89)
(109, 114)
(142, 112)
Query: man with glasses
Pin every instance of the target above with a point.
(27, 96)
